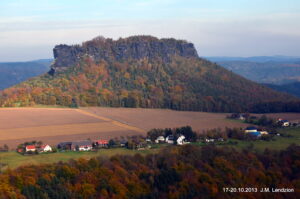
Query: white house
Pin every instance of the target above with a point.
(180, 140)
(45, 148)
(85, 148)
(160, 139)
(170, 139)
(285, 123)
(85, 145)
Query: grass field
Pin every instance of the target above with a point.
(278, 144)
(14, 159)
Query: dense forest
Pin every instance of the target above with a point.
(177, 172)
(169, 77)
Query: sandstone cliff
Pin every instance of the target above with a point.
(136, 47)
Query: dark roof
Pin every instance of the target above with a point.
(82, 143)
(251, 128)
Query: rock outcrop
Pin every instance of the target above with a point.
(136, 47)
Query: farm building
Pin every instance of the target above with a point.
(85, 145)
(160, 139)
(283, 123)
(29, 148)
(170, 139)
(251, 129)
(65, 146)
(180, 140)
(45, 148)
(101, 143)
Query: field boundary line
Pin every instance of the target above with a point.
(117, 123)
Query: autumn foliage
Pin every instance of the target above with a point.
(176, 172)
(181, 84)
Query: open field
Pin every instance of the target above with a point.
(293, 117)
(53, 125)
(147, 119)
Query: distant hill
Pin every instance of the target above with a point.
(12, 73)
(141, 71)
(268, 70)
(291, 88)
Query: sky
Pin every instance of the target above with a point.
(29, 29)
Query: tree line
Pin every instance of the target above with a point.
(176, 172)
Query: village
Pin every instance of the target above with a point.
(176, 136)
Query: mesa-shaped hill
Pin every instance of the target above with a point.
(140, 71)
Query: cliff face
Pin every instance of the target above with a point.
(136, 47)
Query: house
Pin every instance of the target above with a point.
(30, 148)
(65, 146)
(209, 140)
(251, 129)
(85, 145)
(285, 123)
(180, 140)
(241, 117)
(160, 139)
(45, 148)
(101, 143)
(170, 139)
(123, 143)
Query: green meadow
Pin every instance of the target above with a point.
(13, 159)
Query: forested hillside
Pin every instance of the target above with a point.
(291, 88)
(177, 172)
(140, 71)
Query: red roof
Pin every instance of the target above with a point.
(102, 141)
(30, 147)
(44, 146)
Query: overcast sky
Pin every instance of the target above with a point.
(29, 29)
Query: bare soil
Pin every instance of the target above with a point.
(147, 119)
(52, 125)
